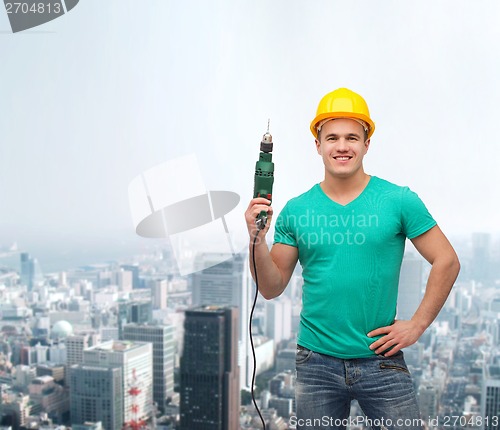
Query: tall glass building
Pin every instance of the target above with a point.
(96, 394)
(162, 339)
(136, 362)
(210, 397)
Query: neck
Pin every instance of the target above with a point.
(345, 189)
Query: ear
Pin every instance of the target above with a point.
(318, 146)
(367, 145)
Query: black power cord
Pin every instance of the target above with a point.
(250, 327)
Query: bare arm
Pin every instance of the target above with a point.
(437, 250)
(275, 267)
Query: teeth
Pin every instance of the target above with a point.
(342, 158)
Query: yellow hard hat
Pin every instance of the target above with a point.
(342, 103)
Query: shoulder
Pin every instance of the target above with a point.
(382, 186)
(400, 200)
(385, 185)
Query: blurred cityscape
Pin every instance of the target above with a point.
(132, 344)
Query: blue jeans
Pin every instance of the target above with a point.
(382, 386)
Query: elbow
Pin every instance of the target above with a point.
(456, 265)
(268, 295)
(447, 268)
(453, 266)
(271, 291)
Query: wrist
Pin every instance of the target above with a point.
(419, 325)
(259, 240)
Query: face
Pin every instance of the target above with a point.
(342, 147)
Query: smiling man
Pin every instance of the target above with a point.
(349, 233)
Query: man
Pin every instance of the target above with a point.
(349, 233)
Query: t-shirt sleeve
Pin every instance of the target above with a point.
(283, 229)
(416, 219)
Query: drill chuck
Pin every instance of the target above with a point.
(264, 176)
(266, 145)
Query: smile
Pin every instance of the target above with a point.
(342, 158)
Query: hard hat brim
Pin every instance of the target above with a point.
(336, 115)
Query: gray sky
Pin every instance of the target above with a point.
(115, 87)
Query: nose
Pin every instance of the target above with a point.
(342, 145)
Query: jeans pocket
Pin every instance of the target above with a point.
(303, 354)
(394, 366)
(396, 362)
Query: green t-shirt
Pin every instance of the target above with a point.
(351, 258)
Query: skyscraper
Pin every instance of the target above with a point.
(75, 345)
(490, 398)
(136, 361)
(134, 268)
(27, 270)
(227, 284)
(124, 279)
(428, 399)
(159, 291)
(139, 312)
(210, 396)
(96, 394)
(219, 284)
(410, 286)
(481, 249)
(162, 338)
(279, 319)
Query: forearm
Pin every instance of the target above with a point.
(269, 277)
(403, 333)
(439, 284)
(436, 249)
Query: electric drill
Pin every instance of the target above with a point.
(264, 175)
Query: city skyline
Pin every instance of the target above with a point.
(444, 358)
(52, 259)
